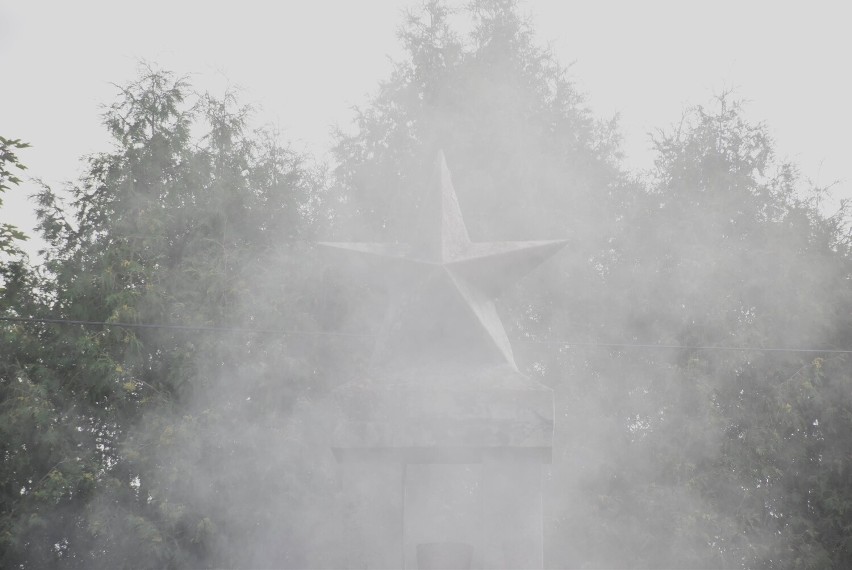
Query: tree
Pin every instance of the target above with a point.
(9, 163)
(721, 458)
(116, 437)
(34, 438)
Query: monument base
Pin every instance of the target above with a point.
(446, 457)
(493, 506)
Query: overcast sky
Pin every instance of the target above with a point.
(307, 62)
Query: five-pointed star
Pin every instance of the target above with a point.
(452, 282)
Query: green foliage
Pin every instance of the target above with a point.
(170, 226)
(9, 163)
(715, 457)
(513, 128)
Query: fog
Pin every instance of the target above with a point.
(482, 326)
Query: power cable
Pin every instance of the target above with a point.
(569, 344)
(565, 343)
(176, 327)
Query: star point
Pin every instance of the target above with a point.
(447, 309)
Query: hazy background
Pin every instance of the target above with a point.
(670, 452)
(307, 63)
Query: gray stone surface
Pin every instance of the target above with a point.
(467, 414)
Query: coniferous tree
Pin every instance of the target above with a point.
(116, 434)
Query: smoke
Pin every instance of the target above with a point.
(681, 435)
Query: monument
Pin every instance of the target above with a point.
(441, 443)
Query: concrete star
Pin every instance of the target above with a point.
(444, 308)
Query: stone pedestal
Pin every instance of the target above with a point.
(374, 506)
(446, 457)
(512, 515)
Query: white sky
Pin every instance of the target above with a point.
(307, 62)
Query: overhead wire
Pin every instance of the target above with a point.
(198, 328)
(560, 342)
(568, 344)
